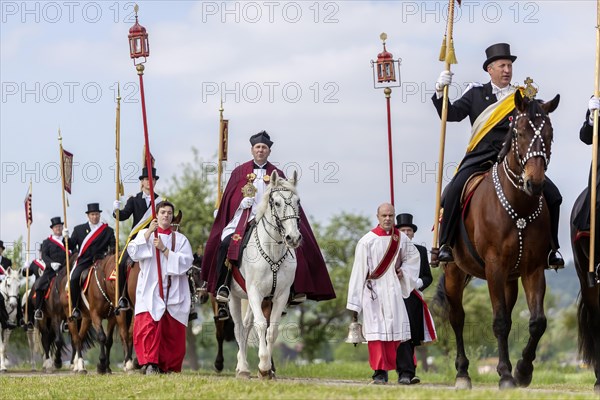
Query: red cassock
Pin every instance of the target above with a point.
(312, 277)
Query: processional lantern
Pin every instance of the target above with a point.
(384, 69)
(138, 41)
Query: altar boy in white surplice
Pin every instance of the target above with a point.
(385, 271)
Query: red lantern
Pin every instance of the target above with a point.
(385, 66)
(138, 41)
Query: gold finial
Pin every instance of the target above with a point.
(59, 137)
(383, 37)
(136, 8)
(530, 91)
(118, 91)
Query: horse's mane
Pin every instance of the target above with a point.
(264, 202)
(534, 107)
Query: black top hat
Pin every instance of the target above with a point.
(145, 173)
(55, 221)
(93, 207)
(2, 245)
(498, 51)
(261, 137)
(405, 220)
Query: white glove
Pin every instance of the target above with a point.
(116, 205)
(247, 202)
(55, 266)
(593, 104)
(215, 213)
(66, 232)
(445, 79)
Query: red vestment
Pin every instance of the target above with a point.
(159, 342)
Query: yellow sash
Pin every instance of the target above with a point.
(502, 109)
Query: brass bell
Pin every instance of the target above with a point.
(355, 335)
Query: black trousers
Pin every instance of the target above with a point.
(452, 210)
(405, 364)
(41, 285)
(75, 286)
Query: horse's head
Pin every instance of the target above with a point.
(198, 286)
(283, 201)
(10, 286)
(530, 139)
(176, 222)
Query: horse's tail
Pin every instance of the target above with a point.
(439, 304)
(87, 341)
(589, 326)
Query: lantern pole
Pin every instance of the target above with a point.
(385, 73)
(143, 37)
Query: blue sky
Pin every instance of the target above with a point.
(300, 70)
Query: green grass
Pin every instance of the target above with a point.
(315, 381)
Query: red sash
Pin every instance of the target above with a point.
(56, 242)
(89, 239)
(389, 255)
(39, 264)
(426, 316)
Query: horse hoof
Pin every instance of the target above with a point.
(597, 388)
(523, 376)
(82, 372)
(265, 374)
(508, 383)
(243, 375)
(463, 383)
(3, 371)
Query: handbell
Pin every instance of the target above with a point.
(355, 335)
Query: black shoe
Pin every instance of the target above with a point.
(297, 299)
(222, 314)
(415, 380)
(222, 295)
(76, 314)
(64, 326)
(404, 380)
(445, 254)
(152, 369)
(10, 325)
(38, 315)
(555, 260)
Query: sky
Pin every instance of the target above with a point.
(301, 70)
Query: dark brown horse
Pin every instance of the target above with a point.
(100, 297)
(223, 329)
(589, 301)
(506, 235)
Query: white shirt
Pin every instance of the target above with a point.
(384, 313)
(501, 92)
(175, 266)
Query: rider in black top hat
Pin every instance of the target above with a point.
(481, 103)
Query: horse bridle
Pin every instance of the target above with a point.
(275, 265)
(518, 181)
(279, 219)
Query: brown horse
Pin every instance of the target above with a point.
(100, 297)
(589, 301)
(506, 235)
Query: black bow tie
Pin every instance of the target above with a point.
(257, 167)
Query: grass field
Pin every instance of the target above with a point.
(317, 381)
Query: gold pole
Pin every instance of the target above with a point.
(595, 147)
(449, 59)
(118, 188)
(220, 158)
(64, 201)
(27, 256)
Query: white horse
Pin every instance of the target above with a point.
(268, 267)
(9, 288)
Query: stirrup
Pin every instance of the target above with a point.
(222, 294)
(297, 299)
(560, 264)
(38, 315)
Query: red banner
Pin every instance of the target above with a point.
(28, 210)
(68, 170)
